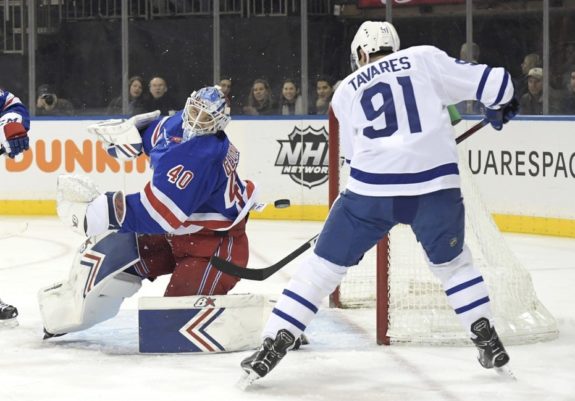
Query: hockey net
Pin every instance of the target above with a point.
(411, 306)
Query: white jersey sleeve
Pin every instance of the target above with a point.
(461, 80)
(394, 124)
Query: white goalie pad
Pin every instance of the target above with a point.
(216, 323)
(99, 280)
(74, 193)
(76, 188)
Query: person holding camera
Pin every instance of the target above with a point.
(49, 104)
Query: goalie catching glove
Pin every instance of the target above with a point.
(81, 206)
(122, 137)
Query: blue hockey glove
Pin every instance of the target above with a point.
(13, 138)
(502, 115)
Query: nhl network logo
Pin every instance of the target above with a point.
(304, 156)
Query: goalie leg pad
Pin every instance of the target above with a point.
(219, 323)
(97, 284)
(315, 279)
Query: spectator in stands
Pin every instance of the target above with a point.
(324, 90)
(260, 101)
(568, 100)
(225, 85)
(530, 61)
(532, 101)
(160, 99)
(470, 106)
(50, 104)
(135, 98)
(290, 99)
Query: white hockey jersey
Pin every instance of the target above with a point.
(395, 129)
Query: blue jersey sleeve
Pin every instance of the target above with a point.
(13, 110)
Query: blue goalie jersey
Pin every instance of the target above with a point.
(194, 185)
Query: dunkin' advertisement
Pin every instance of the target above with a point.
(528, 168)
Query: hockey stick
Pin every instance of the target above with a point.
(471, 131)
(261, 274)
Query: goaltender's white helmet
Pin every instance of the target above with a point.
(206, 112)
(371, 37)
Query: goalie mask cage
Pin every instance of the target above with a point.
(411, 306)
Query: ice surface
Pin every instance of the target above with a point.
(341, 363)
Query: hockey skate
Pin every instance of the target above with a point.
(8, 314)
(299, 342)
(266, 358)
(48, 335)
(492, 354)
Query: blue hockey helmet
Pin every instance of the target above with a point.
(206, 112)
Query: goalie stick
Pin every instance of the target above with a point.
(261, 274)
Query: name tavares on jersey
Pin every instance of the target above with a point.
(378, 68)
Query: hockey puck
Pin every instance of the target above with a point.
(282, 203)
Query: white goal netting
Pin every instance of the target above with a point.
(418, 309)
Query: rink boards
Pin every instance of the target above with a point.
(526, 173)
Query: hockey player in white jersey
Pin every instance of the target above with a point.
(14, 126)
(397, 137)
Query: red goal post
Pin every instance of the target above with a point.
(382, 303)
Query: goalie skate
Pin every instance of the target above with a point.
(266, 358)
(8, 314)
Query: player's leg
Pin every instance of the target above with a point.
(101, 276)
(193, 274)
(8, 314)
(156, 256)
(354, 225)
(439, 227)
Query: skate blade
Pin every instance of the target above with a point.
(9, 323)
(247, 379)
(506, 372)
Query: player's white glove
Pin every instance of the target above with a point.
(122, 137)
(81, 206)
